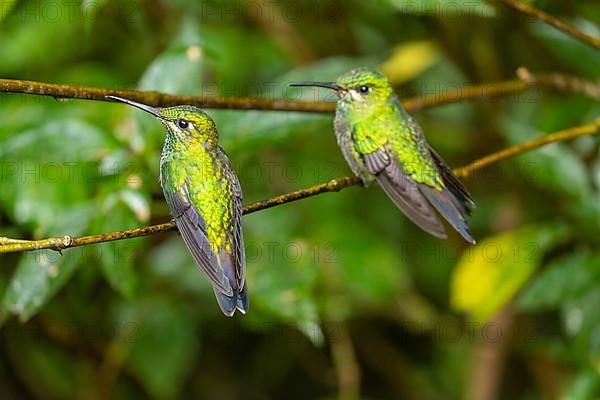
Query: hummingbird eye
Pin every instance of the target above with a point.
(183, 124)
(364, 89)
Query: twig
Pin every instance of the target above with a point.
(550, 20)
(157, 99)
(565, 83)
(346, 366)
(8, 245)
(567, 134)
(490, 358)
(491, 90)
(5, 240)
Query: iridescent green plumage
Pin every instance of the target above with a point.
(382, 142)
(205, 199)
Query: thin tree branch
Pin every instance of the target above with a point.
(8, 245)
(346, 366)
(550, 20)
(5, 240)
(565, 83)
(158, 99)
(490, 358)
(490, 91)
(567, 134)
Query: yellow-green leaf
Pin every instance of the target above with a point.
(489, 274)
(409, 60)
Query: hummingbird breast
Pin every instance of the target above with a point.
(344, 135)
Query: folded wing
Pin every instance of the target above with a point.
(415, 199)
(227, 270)
(192, 227)
(403, 191)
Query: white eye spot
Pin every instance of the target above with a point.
(355, 95)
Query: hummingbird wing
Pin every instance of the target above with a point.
(233, 262)
(192, 227)
(463, 199)
(403, 191)
(409, 157)
(453, 201)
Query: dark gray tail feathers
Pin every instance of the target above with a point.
(229, 304)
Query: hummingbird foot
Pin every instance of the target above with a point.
(366, 181)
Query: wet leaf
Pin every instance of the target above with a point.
(38, 277)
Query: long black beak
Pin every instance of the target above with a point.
(151, 110)
(327, 85)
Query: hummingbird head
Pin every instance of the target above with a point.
(361, 87)
(185, 124)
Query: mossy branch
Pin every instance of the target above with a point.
(489, 91)
(8, 245)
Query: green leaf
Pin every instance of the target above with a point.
(171, 261)
(559, 169)
(562, 280)
(241, 61)
(31, 37)
(6, 8)
(38, 277)
(48, 370)
(490, 273)
(284, 293)
(46, 142)
(581, 323)
(164, 342)
(453, 10)
(581, 56)
(38, 165)
(365, 268)
(121, 210)
(555, 167)
(240, 130)
(179, 69)
(585, 385)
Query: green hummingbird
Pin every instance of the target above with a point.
(382, 142)
(205, 199)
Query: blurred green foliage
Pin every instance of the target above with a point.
(137, 319)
